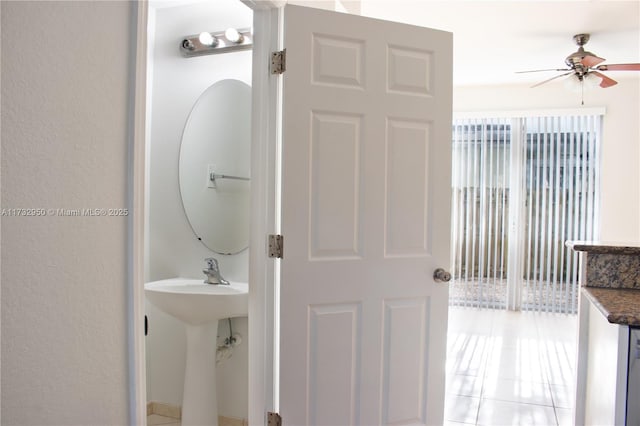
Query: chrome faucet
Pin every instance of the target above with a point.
(213, 273)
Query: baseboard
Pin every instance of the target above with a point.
(231, 421)
(166, 410)
(175, 412)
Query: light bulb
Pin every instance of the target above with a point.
(233, 35)
(207, 39)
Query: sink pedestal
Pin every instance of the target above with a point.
(199, 306)
(199, 406)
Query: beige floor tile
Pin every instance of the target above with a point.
(520, 364)
(462, 409)
(564, 416)
(498, 413)
(156, 420)
(517, 391)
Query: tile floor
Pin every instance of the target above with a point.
(503, 368)
(509, 368)
(157, 420)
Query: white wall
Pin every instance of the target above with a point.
(620, 190)
(65, 131)
(173, 248)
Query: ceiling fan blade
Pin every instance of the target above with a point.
(552, 69)
(552, 78)
(619, 67)
(591, 61)
(606, 81)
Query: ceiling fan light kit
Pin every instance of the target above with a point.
(586, 66)
(577, 85)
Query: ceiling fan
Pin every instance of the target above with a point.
(583, 64)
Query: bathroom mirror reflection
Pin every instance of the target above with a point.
(215, 164)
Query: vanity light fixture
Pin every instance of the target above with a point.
(208, 43)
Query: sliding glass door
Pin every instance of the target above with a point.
(480, 183)
(522, 186)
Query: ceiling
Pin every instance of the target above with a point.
(494, 39)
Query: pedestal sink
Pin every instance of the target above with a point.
(199, 306)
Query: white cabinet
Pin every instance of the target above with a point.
(609, 308)
(601, 386)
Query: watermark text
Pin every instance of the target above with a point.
(63, 212)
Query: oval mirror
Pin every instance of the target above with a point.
(215, 164)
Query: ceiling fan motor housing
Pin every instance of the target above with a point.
(574, 60)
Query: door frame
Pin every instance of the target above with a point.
(265, 152)
(265, 215)
(136, 235)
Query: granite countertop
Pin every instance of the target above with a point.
(619, 306)
(604, 247)
(612, 279)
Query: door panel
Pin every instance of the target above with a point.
(407, 193)
(335, 163)
(405, 361)
(337, 61)
(334, 374)
(365, 216)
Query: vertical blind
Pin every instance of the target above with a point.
(522, 186)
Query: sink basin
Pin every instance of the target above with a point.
(194, 302)
(199, 306)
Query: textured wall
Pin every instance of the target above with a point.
(65, 71)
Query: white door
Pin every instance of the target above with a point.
(366, 220)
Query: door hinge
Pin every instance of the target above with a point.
(279, 62)
(274, 419)
(276, 246)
